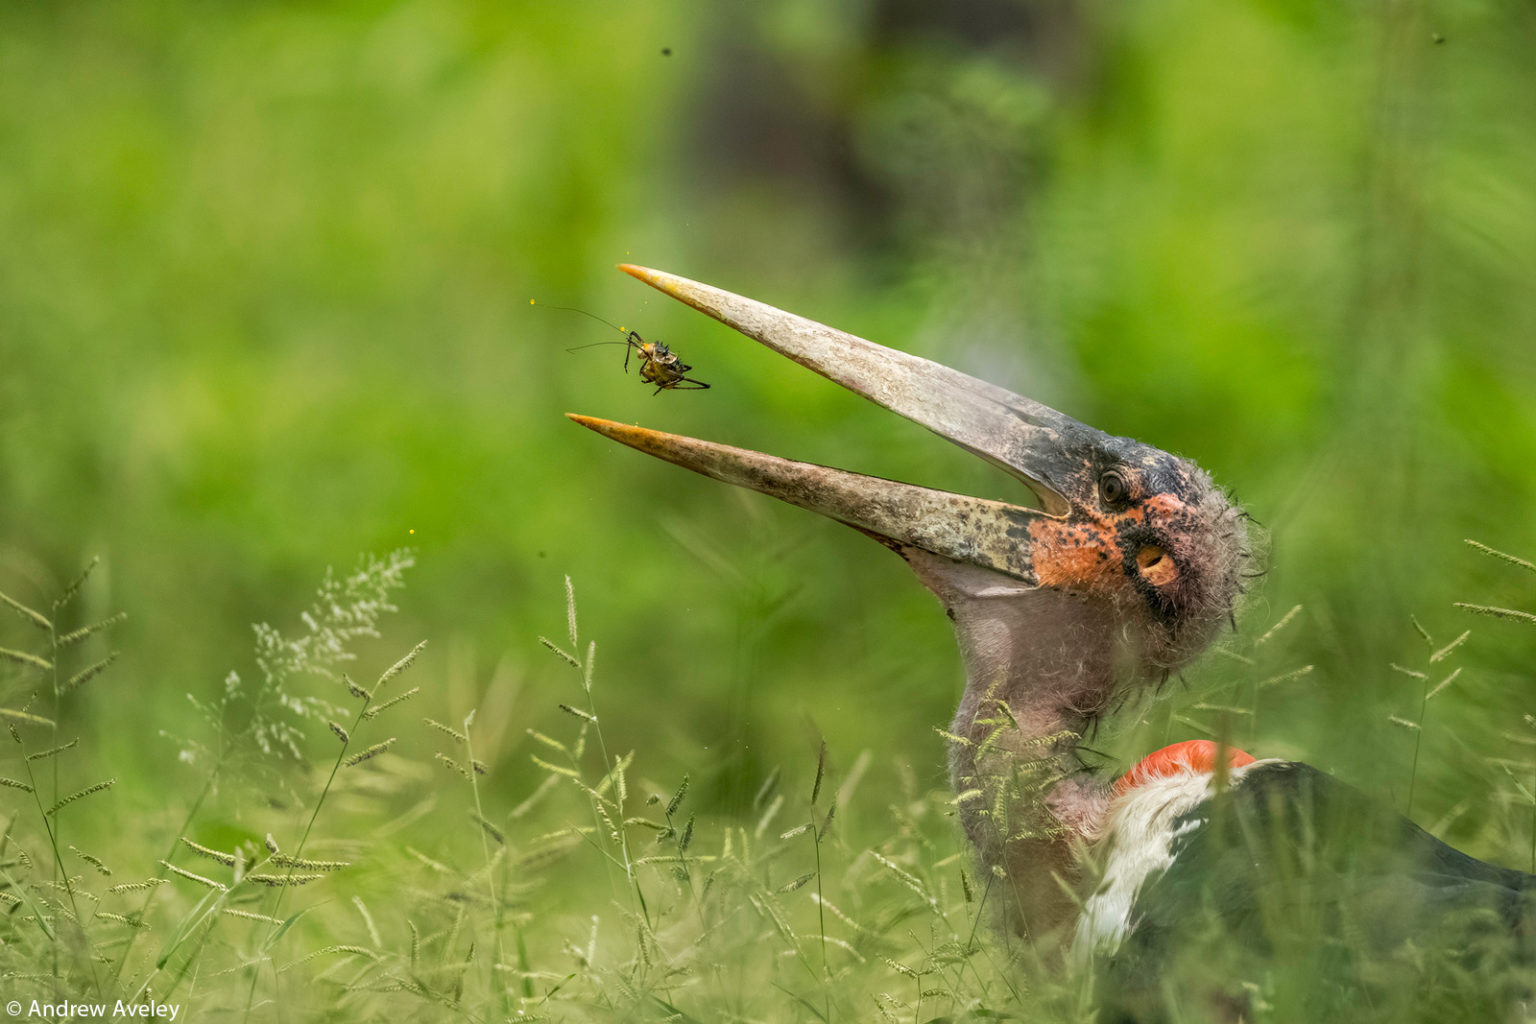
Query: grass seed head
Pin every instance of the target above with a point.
(250, 915)
(282, 860)
(373, 751)
(687, 837)
(1498, 613)
(132, 922)
(88, 673)
(451, 763)
(1511, 559)
(82, 794)
(84, 632)
(490, 829)
(36, 618)
(677, 798)
(192, 876)
(447, 730)
(821, 768)
(560, 652)
(53, 750)
(585, 716)
(94, 862)
(399, 666)
(379, 709)
(284, 881)
(570, 611)
(227, 859)
(31, 661)
(74, 588)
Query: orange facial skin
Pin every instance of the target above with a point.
(1085, 552)
(1075, 555)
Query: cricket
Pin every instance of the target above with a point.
(659, 365)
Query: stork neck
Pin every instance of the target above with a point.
(1040, 665)
(1046, 663)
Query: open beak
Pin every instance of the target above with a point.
(1035, 444)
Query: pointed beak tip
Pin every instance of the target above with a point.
(590, 422)
(690, 293)
(645, 274)
(624, 433)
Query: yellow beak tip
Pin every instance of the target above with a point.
(610, 428)
(654, 278)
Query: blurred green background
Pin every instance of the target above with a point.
(265, 290)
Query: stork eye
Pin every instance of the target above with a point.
(1113, 489)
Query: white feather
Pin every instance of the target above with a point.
(1138, 843)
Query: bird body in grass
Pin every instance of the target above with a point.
(1202, 884)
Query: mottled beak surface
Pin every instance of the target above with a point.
(1028, 440)
(1118, 519)
(977, 531)
(1037, 445)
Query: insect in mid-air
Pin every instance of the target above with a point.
(659, 365)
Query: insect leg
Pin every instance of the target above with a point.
(633, 342)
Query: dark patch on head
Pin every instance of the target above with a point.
(1165, 507)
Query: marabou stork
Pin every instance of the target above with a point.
(1202, 883)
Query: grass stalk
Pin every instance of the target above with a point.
(490, 878)
(341, 755)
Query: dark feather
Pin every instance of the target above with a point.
(1298, 891)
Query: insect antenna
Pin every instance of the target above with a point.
(572, 309)
(594, 344)
(632, 338)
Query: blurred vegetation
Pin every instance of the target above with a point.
(265, 304)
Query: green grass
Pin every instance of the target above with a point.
(597, 892)
(344, 854)
(264, 303)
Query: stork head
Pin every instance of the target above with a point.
(1125, 535)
